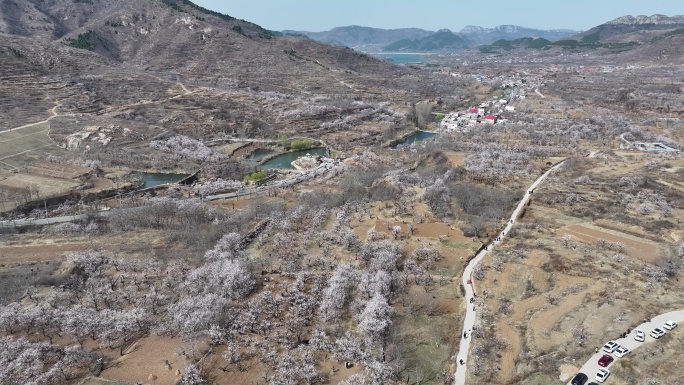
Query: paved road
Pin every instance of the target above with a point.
(48, 221)
(591, 367)
(469, 321)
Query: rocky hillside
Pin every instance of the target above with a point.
(639, 29)
(177, 37)
(153, 68)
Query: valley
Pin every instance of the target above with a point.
(188, 198)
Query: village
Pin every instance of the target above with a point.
(497, 110)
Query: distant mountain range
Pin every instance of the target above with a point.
(365, 39)
(657, 36)
(369, 39)
(479, 35)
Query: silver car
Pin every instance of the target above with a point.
(657, 333)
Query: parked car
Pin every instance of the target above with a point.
(602, 375)
(639, 335)
(610, 346)
(669, 325)
(621, 351)
(657, 333)
(579, 379)
(605, 360)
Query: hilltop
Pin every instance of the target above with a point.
(443, 40)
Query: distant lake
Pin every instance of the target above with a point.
(404, 58)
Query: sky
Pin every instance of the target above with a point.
(322, 15)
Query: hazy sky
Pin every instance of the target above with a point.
(320, 15)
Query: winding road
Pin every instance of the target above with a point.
(469, 284)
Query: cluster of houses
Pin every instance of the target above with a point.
(474, 116)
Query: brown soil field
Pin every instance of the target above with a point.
(231, 148)
(25, 146)
(46, 186)
(147, 357)
(17, 255)
(456, 158)
(636, 247)
(65, 171)
(99, 185)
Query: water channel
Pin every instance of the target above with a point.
(155, 178)
(284, 161)
(415, 137)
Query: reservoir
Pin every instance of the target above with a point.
(404, 58)
(415, 137)
(284, 161)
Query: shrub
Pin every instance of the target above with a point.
(255, 177)
(239, 30)
(82, 41)
(299, 144)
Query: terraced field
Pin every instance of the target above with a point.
(20, 147)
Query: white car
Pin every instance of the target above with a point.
(610, 346)
(639, 335)
(602, 375)
(621, 351)
(657, 333)
(669, 325)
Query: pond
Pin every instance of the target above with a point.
(415, 137)
(155, 179)
(258, 155)
(284, 161)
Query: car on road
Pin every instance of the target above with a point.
(610, 346)
(602, 375)
(621, 351)
(605, 360)
(579, 379)
(669, 325)
(639, 335)
(657, 333)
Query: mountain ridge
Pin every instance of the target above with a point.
(369, 39)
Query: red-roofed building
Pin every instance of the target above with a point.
(491, 118)
(473, 110)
